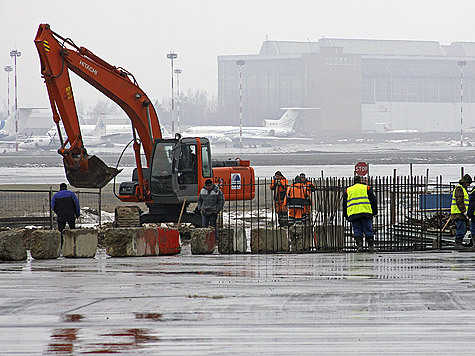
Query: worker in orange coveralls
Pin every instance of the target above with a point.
(295, 200)
(279, 186)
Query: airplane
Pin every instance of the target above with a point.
(7, 128)
(271, 129)
(93, 136)
(387, 129)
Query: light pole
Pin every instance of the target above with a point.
(8, 69)
(461, 64)
(240, 63)
(178, 72)
(171, 56)
(15, 53)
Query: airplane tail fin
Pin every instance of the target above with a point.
(7, 126)
(287, 120)
(99, 129)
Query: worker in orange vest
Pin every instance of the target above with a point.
(279, 187)
(310, 189)
(296, 200)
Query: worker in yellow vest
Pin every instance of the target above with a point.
(459, 207)
(359, 207)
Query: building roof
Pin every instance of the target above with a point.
(384, 47)
(462, 49)
(288, 47)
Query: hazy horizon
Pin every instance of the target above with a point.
(137, 36)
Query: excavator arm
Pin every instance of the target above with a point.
(60, 55)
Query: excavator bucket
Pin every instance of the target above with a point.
(89, 172)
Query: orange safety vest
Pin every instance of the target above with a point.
(296, 196)
(279, 190)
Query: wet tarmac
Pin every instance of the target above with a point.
(307, 304)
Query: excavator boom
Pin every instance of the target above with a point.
(60, 55)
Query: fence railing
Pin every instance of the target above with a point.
(411, 215)
(19, 207)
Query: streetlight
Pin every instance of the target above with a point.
(461, 64)
(240, 63)
(8, 69)
(15, 53)
(178, 72)
(172, 56)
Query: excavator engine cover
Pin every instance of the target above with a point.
(89, 172)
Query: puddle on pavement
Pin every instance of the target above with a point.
(67, 341)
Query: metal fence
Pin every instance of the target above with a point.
(20, 207)
(411, 216)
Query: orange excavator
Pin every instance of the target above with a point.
(175, 169)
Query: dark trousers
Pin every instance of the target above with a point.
(62, 225)
(207, 220)
(461, 230)
(362, 226)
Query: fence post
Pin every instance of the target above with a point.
(100, 207)
(50, 208)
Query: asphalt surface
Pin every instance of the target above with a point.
(308, 304)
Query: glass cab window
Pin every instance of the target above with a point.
(161, 169)
(187, 165)
(206, 161)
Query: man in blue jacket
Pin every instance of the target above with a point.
(66, 206)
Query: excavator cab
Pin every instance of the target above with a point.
(178, 169)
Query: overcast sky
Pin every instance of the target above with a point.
(137, 35)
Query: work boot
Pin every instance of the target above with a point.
(370, 242)
(458, 243)
(359, 244)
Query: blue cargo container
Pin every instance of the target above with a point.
(435, 201)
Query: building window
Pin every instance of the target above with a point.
(368, 90)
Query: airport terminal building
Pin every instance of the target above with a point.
(360, 85)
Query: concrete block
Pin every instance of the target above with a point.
(232, 240)
(300, 237)
(265, 240)
(127, 216)
(203, 241)
(12, 247)
(137, 241)
(45, 244)
(80, 243)
(330, 237)
(168, 241)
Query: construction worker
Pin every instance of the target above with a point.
(310, 188)
(459, 207)
(66, 206)
(471, 216)
(279, 187)
(359, 207)
(295, 200)
(210, 203)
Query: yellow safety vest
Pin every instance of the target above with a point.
(358, 201)
(454, 209)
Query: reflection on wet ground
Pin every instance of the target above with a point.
(344, 304)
